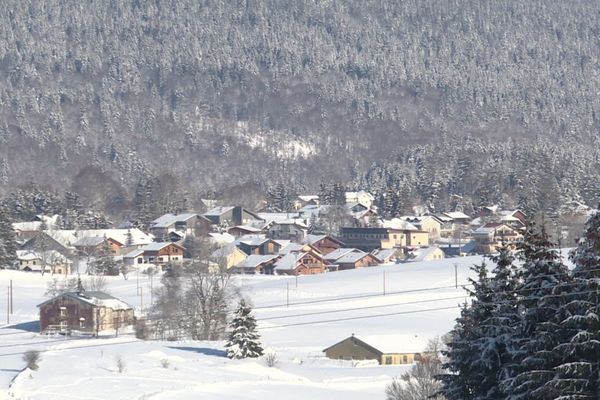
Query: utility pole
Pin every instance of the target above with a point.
(296, 281)
(456, 275)
(8, 306)
(11, 297)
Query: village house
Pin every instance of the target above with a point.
(161, 253)
(93, 245)
(490, 237)
(231, 216)
(287, 230)
(185, 224)
(256, 264)
(348, 258)
(323, 243)
(428, 223)
(425, 254)
(369, 239)
(243, 230)
(361, 197)
(259, 244)
(387, 256)
(54, 262)
(302, 201)
(403, 349)
(90, 312)
(300, 263)
(228, 256)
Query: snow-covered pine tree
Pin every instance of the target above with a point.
(470, 374)
(544, 290)
(578, 375)
(505, 320)
(8, 250)
(244, 341)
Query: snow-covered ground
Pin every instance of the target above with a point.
(395, 306)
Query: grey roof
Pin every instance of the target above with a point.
(94, 298)
(292, 247)
(351, 257)
(288, 262)
(342, 251)
(218, 211)
(384, 254)
(156, 246)
(167, 220)
(252, 240)
(254, 260)
(89, 241)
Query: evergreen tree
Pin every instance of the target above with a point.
(244, 341)
(578, 375)
(105, 263)
(471, 376)
(543, 291)
(8, 250)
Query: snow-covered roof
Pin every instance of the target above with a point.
(288, 262)
(292, 247)
(89, 241)
(457, 215)
(252, 240)
(69, 237)
(133, 253)
(254, 260)
(27, 226)
(384, 254)
(248, 228)
(221, 238)
(309, 197)
(397, 223)
(342, 251)
(156, 246)
(351, 257)
(390, 344)
(167, 220)
(51, 256)
(218, 211)
(99, 299)
(421, 254)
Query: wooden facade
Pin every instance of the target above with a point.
(300, 263)
(90, 312)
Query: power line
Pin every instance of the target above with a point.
(363, 308)
(357, 296)
(361, 317)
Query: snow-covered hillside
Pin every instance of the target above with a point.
(297, 320)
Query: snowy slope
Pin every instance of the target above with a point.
(297, 320)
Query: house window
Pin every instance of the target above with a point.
(82, 322)
(405, 359)
(160, 259)
(175, 258)
(388, 359)
(34, 263)
(63, 311)
(175, 250)
(21, 262)
(140, 260)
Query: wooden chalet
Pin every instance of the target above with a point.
(325, 244)
(300, 263)
(91, 312)
(162, 253)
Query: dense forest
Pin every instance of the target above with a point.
(429, 101)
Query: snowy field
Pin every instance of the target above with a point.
(397, 306)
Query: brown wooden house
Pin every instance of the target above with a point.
(90, 312)
(325, 244)
(300, 263)
(162, 253)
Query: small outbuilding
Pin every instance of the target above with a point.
(401, 349)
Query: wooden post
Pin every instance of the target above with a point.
(456, 275)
